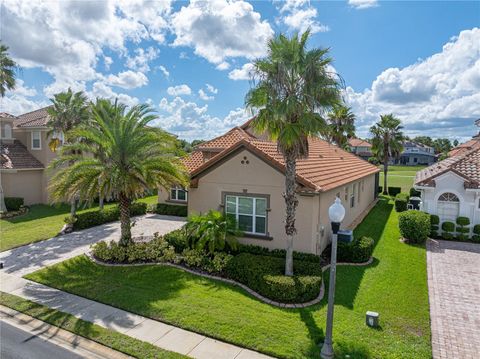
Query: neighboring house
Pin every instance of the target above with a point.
(465, 147)
(416, 154)
(242, 174)
(451, 188)
(360, 147)
(24, 156)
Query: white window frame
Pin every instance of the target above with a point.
(7, 134)
(352, 196)
(176, 190)
(39, 140)
(254, 214)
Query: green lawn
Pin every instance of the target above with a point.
(41, 222)
(395, 285)
(400, 176)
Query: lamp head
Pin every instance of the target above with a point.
(336, 212)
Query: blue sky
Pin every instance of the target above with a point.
(190, 60)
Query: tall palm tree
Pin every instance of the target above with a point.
(341, 125)
(135, 158)
(292, 89)
(387, 142)
(68, 111)
(7, 71)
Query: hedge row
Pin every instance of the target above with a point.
(358, 251)
(392, 191)
(13, 203)
(454, 231)
(277, 253)
(401, 202)
(98, 217)
(414, 226)
(169, 209)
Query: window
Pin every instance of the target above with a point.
(448, 207)
(352, 195)
(7, 131)
(448, 197)
(36, 140)
(250, 213)
(178, 194)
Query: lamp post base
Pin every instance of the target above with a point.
(327, 351)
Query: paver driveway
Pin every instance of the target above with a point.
(26, 259)
(454, 293)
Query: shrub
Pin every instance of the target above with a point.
(169, 209)
(278, 253)
(462, 228)
(414, 226)
(414, 193)
(476, 233)
(447, 230)
(106, 215)
(434, 222)
(358, 251)
(178, 239)
(138, 208)
(218, 263)
(380, 189)
(401, 202)
(13, 203)
(193, 257)
(393, 191)
(264, 274)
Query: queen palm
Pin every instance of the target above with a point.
(292, 90)
(387, 142)
(7, 71)
(341, 125)
(134, 158)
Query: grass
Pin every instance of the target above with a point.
(41, 222)
(400, 176)
(395, 285)
(107, 337)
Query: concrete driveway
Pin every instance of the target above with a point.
(454, 294)
(26, 259)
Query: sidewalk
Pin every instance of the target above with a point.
(157, 333)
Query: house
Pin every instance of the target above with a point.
(242, 174)
(25, 154)
(451, 188)
(360, 147)
(416, 154)
(465, 147)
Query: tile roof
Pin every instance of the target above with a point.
(37, 118)
(466, 165)
(356, 142)
(7, 115)
(465, 147)
(326, 167)
(16, 156)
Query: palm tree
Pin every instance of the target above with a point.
(68, 111)
(292, 89)
(387, 142)
(341, 125)
(7, 71)
(135, 158)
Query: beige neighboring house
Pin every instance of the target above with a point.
(242, 174)
(360, 147)
(25, 155)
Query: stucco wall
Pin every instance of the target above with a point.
(164, 197)
(26, 184)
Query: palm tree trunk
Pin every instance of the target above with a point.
(385, 171)
(291, 203)
(125, 228)
(100, 202)
(73, 207)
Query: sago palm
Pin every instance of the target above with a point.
(387, 142)
(341, 125)
(7, 71)
(293, 89)
(119, 156)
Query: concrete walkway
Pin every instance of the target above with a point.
(27, 259)
(454, 294)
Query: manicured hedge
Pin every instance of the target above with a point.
(414, 226)
(13, 203)
(278, 253)
(393, 191)
(447, 230)
(414, 192)
(95, 218)
(401, 202)
(462, 228)
(476, 233)
(264, 274)
(358, 251)
(169, 209)
(434, 225)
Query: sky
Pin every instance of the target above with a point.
(191, 60)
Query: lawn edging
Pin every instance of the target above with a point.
(233, 282)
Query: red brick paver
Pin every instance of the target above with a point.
(454, 294)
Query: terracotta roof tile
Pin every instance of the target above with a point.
(465, 147)
(37, 118)
(356, 142)
(16, 156)
(7, 115)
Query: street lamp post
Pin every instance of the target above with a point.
(336, 213)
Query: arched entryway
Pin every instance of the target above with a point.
(448, 207)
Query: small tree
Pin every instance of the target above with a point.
(340, 125)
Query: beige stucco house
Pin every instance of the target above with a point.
(25, 154)
(242, 174)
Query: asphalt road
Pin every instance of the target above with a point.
(17, 344)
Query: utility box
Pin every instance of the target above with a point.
(372, 319)
(345, 235)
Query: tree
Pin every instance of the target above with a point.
(442, 145)
(135, 158)
(341, 125)
(68, 111)
(424, 140)
(292, 88)
(455, 143)
(7, 71)
(387, 142)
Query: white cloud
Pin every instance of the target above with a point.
(299, 15)
(437, 96)
(243, 73)
(223, 66)
(211, 89)
(19, 100)
(204, 96)
(179, 90)
(107, 61)
(164, 70)
(127, 79)
(363, 4)
(219, 30)
(101, 90)
(141, 59)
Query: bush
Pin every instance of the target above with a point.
(393, 191)
(277, 253)
(169, 209)
(414, 226)
(106, 215)
(264, 274)
(447, 230)
(177, 239)
(380, 189)
(414, 193)
(13, 203)
(434, 222)
(357, 251)
(218, 263)
(193, 257)
(401, 202)
(138, 208)
(476, 233)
